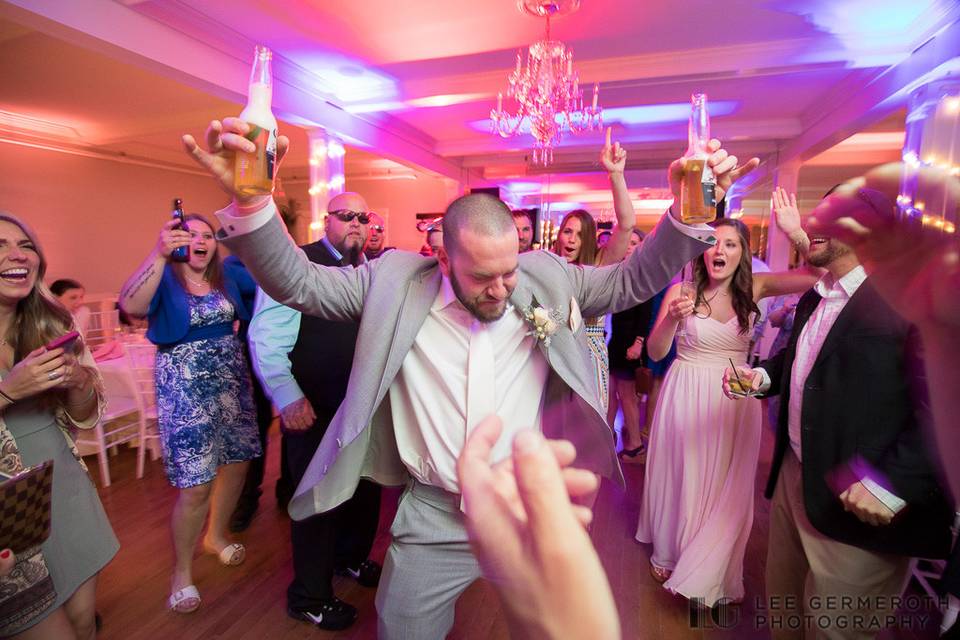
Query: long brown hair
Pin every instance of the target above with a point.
(741, 285)
(588, 237)
(214, 271)
(40, 317)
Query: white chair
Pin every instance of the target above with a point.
(120, 422)
(101, 327)
(131, 413)
(142, 357)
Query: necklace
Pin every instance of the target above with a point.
(716, 293)
(707, 301)
(202, 282)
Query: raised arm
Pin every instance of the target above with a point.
(787, 216)
(662, 254)
(253, 231)
(784, 283)
(614, 160)
(138, 290)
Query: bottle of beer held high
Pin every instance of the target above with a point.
(698, 202)
(180, 254)
(253, 172)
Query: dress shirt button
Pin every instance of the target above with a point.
(339, 444)
(325, 469)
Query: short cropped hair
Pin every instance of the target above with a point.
(479, 212)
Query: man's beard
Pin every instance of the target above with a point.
(827, 255)
(351, 255)
(472, 305)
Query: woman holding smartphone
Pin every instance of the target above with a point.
(205, 406)
(45, 391)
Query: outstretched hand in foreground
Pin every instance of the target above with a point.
(530, 539)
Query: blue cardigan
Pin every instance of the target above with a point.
(169, 312)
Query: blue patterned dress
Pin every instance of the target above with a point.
(204, 399)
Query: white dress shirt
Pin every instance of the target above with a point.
(435, 402)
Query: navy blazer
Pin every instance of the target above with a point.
(169, 312)
(865, 399)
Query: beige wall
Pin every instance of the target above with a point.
(402, 200)
(96, 219)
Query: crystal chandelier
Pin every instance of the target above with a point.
(547, 90)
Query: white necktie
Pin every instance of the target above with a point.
(481, 389)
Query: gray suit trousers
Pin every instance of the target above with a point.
(428, 566)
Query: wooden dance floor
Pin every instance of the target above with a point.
(249, 602)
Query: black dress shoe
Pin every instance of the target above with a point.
(332, 615)
(367, 573)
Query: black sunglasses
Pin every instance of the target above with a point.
(345, 215)
(377, 227)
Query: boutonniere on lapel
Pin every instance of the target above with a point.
(543, 321)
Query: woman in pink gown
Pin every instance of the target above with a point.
(697, 507)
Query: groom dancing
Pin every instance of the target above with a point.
(442, 344)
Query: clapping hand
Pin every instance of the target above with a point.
(530, 539)
(223, 140)
(613, 157)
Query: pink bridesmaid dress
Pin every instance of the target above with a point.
(697, 507)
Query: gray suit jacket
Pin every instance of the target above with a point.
(390, 298)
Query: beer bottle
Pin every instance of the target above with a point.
(180, 254)
(698, 202)
(253, 172)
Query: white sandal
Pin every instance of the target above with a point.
(187, 600)
(232, 554)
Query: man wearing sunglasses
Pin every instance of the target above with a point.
(376, 237)
(305, 362)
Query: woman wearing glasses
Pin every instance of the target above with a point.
(205, 405)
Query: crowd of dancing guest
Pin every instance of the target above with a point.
(422, 353)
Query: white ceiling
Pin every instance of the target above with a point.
(788, 78)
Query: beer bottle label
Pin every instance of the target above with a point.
(708, 184)
(271, 153)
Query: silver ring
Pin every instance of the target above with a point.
(53, 375)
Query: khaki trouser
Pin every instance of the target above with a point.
(818, 587)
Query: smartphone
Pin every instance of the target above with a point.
(65, 341)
